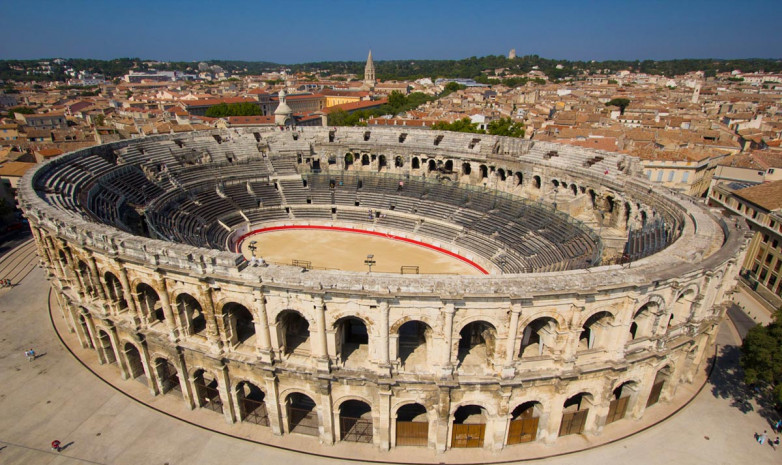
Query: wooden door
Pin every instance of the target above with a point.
(412, 433)
(523, 430)
(617, 409)
(468, 435)
(573, 422)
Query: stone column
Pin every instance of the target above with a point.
(151, 374)
(322, 349)
(127, 292)
(165, 302)
(442, 426)
(212, 335)
(447, 367)
(273, 405)
(188, 393)
(120, 356)
(225, 388)
(383, 433)
(95, 275)
(550, 430)
(263, 341)
(510, 346)
(325, 413)
(384, 364)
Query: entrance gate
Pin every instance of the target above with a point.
(573, 422)
(412, 433)
(210, 398)
(302, 421)
(617, 409)
(169, 379)
(468, 435)
(254, 411)
(355, 429)
(654, 396)
(523, 430)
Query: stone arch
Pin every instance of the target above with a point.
(620, 400)
(682, 305)
(416, 163)
(536, 182)
(365, 160)
(575, 412)
(241, 322)
(349, 159)
(293, 331)
(86, 278)
(468, 426)
(381, 162)
(206, 390)
(642, 324)
(149, 302)
(518, 178)
(662, 377)
(190, 308)
(301, 413)
(431, 165)
(484, 170)
(106, 346)
(448, 166)
(501, 174)
(594, 330)
(524, 421)
(133, 362)
(114, 288)
(399, 162)
(167, 375)
(352, 338)
(574, 189)
(412, 424)
(477, 342)
(539, 337)
(466, 169)
(415, 338)
(251, 401)
(355, 421)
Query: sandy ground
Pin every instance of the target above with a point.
(347, 251)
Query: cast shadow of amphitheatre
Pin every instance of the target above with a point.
(727, 382)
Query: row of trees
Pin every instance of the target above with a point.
(761, 356)
(500, 127)
(234, 109)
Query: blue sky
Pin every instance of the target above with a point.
(295, 32)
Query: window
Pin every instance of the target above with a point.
(685, 176)
(671, 175)
(659, 176)
(649, 175)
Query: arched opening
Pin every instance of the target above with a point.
(466, 169)
(399, 162)
(133, 359)
(469, 426)
(682, 308)
(381, 162)
(594, 331)
(501, 174)
(348, 159)
(207, 392)
(554, 183)
(188, 306)
(114, 288)
(241, 323)
(413, 339)
(412, 425)
(365, 160)
(104, 341)
(662, 376)
(643, 319)
(149, 301)
(524, 423)
(431, 165)
(620, 400)
(355, 421)
(574, 414)
(574, 189)
(519, 178)
(538, 338)
(476, 343)
(294, 332)
(449, 166)
(610, 203)
(536, 182)
(86, 278)
(593, 197)
(252, 408)
(302, 417)
(352, 340)
(484, 171)
(167, 376)
(643, 218)
(628, 211)
(416, 163)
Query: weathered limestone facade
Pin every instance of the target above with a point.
(428, 360)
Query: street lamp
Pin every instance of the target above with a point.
(370, 261)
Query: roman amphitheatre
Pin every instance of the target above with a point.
(519, 291)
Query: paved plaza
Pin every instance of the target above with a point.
(58, 397)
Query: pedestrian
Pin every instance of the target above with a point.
(32, 355)
(762, 438)
(778, 426)
(56, 445)
(27, 354)
(776, 443)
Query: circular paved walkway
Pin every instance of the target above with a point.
(56, 397)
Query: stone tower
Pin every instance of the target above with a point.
(696, 93)
(369, 72)
(283, 115)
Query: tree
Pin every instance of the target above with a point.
(397, 99)
(461, 125)
(21, 111)
(506, 127)
(234, 109)
(622, 103)
(99, 120)
(761, 356)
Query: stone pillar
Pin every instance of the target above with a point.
(325, 413)
(212, 335)
(442, 426)
(127, 292)
(121, 363)
(447, 367)
(165, 302)
(225, 388)
(263, 341)
(272, 400)
(95, 275)
(510, 346)
(384, 363)
(322, 348)
(383, 433)
(152, 383)
(188, 393)
(550, 430)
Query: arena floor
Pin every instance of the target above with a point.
(344, 249)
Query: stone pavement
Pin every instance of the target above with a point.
(56, 397)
